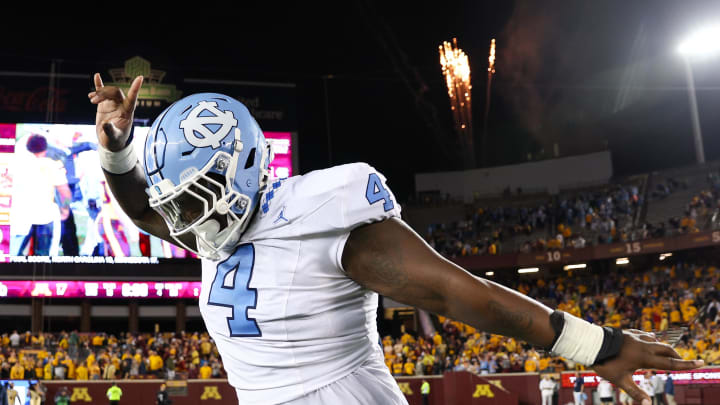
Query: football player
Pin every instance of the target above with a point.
(292, 268)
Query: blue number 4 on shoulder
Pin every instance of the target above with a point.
(376, 191)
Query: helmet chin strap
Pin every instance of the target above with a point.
(208, 237)
(208, 229)
(205, 237)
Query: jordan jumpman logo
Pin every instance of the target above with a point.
(281, 216)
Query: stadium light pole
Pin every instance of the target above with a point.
(700, 44)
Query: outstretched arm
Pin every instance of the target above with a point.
(390, 258)
(113, 123)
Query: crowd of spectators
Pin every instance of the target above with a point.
(662, 298)
(665, 187)
(701, 207)
(701, 211)
(566, 221)
(98, 356)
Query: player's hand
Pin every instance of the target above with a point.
(114, 117)
(641, 350)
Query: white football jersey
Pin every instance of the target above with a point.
(286, 318)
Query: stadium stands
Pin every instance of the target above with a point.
(654, 205)
(98, 356)
(661, 298)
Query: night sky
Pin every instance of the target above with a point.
(586, 75)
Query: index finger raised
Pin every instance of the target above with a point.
(98, 81)
(133, 91)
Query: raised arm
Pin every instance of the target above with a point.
(390, 258)
(113, 123)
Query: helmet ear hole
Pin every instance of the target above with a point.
(251, 159)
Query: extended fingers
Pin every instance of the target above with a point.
(672, 363)
(106, 93)
(133, 92)
(98, 81)
(645, 336)
(664, 349)
(632, 389)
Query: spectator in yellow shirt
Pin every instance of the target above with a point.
(510, 345)
(97, 340)
(713, 355)
(664, 321)
(531, 365)
(39, 369)
(409, 367)
(94, 371)
(205, 371)
(646, 324)
(397, 367)
(67, 361)
(205, 347)
(689, 354)
(156, 363)
(17, 372)
(47, 371)
(689, 313)
(545, 361)
(675, 316)
(81, 372)
(90, 360)
(387, 340)
(63, 343)
(492, 249)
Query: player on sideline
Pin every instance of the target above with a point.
(291, 268)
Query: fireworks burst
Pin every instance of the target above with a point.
(491, 58)
(456, 70)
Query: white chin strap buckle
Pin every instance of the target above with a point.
(222, 207)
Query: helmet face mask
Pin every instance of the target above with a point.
(188, 206)
(206, 189)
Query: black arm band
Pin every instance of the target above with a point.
(612, 343)
(557, 321)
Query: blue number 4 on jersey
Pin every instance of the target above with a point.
(231, 288)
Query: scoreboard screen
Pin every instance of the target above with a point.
(43, 164)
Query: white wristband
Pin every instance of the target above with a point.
(119, 162)
(579, 340)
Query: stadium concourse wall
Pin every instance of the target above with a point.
(553, 174)
(453, 388)
(607, 251)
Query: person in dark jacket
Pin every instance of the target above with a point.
(162, 396)
(3, 393)
(669, 390)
